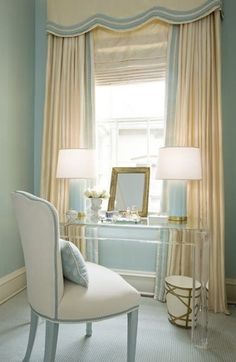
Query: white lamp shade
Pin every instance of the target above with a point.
(76, 163)
(179, 163)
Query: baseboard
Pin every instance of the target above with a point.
(12, 284)
(231, 290)
(144, 282)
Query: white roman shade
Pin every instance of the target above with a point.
(131, 56)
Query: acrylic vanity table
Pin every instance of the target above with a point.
(176, 245)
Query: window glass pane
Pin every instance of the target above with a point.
(130, 100)
(132, 143)
(156, 139)
(130, 130)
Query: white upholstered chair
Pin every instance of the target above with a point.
(56, 299)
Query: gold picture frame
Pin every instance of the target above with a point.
(129, 187)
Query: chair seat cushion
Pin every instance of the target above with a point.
(107, 294)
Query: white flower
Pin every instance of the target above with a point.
(96, 193)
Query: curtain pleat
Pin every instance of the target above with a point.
(67, 123)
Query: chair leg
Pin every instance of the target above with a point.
(88, 329)
(32, 333)
(132, 335)
(50, 341)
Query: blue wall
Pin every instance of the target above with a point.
(16, 120)
(229, 131)
(40, 75)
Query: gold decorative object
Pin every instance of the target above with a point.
(178, 219)
(179, 295)
(129, 188)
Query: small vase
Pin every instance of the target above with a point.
(96, 204)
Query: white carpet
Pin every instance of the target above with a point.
(157, 340)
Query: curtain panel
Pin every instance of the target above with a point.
(69, 109)
(194, 119)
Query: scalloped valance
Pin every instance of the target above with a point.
(74, 17)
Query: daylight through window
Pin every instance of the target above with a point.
(130, 130)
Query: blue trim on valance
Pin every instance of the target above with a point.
(122, 24)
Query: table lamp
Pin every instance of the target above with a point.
(178, 164)
(77, 164)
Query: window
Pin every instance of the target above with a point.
(130, 70)
(130, 130)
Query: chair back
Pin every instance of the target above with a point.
(38, 225)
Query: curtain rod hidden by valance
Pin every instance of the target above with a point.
(75, 17)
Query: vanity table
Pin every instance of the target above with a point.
(179, 249)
